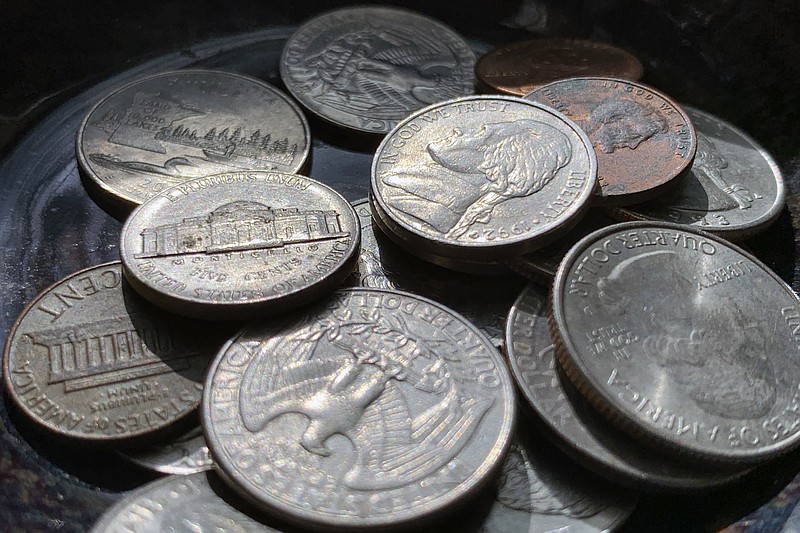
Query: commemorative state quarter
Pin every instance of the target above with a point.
(163, 130)
(683, 339)
(367, 68)
(482, 178)
(372, 409)
(88, 359)
(188, 454)
(383, 265)
(575, 426)
(178, 504)
(232, 246)
(643, 139)
(734, 188)
(519, 68)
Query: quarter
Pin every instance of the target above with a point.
(163, 130)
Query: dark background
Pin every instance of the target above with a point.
(739, 60)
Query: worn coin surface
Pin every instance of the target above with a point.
(483, 178)
(541, 265)
(734, 188)
(375, 408)
(165, 129)
(178, 504)
(383, 265)
(89, 359)
(518, 68)
(367, 68)
(683, 339)
(577, 427)
(542, 491)
(233, 245)
(643, 139)
(185, 455)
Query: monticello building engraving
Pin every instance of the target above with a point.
(113, 350)
(240, 225)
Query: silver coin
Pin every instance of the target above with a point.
(682, 338)
(177, 504)
(235, 245)
(578, 428)
(483, 178)
(466, 266)
(165, 129)
(88, 359)
(185, 455)
(734, 189)
(540, 266)
(375, 408)
(541, 491)
(382, 265)
(367, 68)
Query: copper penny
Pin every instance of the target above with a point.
(642, 138)
(518, 68)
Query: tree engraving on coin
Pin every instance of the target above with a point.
(176, 504)
(643, 139)
(519, 68)
(363, 412)
(717, 342)
(163, 130)
(576, 426)
(484, 174)
(367, 68)
(734, 188)
(230, 245)
(88, 359)
(382, 265)
(185, 455)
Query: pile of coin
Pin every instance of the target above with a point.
(663, 358)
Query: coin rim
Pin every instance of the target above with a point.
(482, 476)
(666, 186)
(300, 96)
(443, 247)
(238, 310)
(98, 439)
(738, 232)
(589, 386)
(121, 203)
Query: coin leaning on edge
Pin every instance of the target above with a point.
(482, 178)
(162, 130)
(375, 408)
(706, 367)
(237, 245)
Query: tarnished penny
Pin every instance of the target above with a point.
(541, 265)
(482, 178)
(367, 68)
(375, 408)
(683, 339)
(518, 68)
(236, 245)
(383, 265)
(541, 491)
(643, 139)
(185, 455)
(578, 428)
(88, 359)
(734, 188)
(178, 504)
(163, 130)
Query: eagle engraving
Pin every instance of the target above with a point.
(360, 394)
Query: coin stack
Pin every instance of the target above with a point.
(352, 369)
